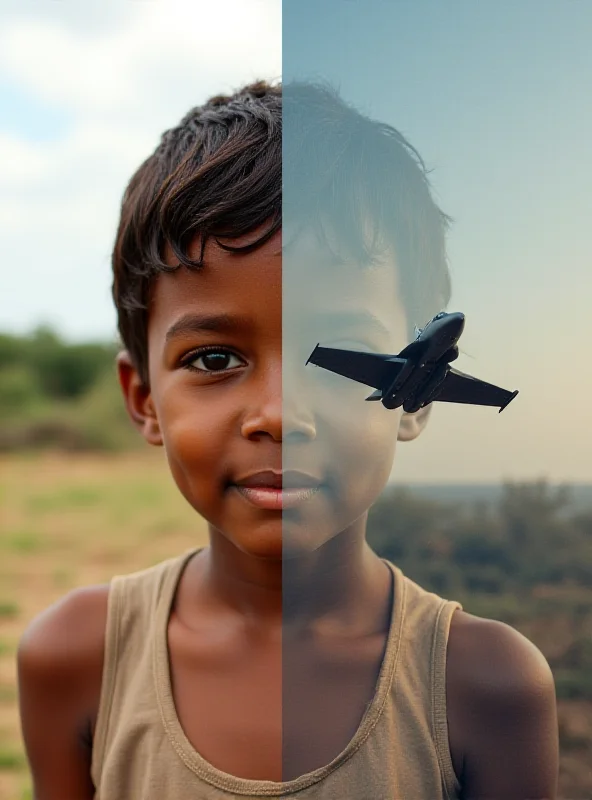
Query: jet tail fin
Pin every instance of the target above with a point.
(377, 395)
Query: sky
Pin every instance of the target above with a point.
(86, 90)
(494, 95)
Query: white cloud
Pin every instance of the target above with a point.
(175, 44)
(120, 86)
(21, 162)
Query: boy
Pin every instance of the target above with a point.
(286, 658)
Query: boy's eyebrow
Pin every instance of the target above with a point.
(197, 323)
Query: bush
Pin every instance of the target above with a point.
(19, 391)
(59, 395)
(67, 371)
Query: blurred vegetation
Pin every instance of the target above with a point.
(57, 394)
(525, 560)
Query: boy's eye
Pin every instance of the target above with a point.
(217, 360)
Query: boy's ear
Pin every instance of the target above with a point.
(412, 425)
(138, 400)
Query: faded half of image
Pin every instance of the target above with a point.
(435, 499)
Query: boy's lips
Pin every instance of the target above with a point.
(277, 490)
(283, 479)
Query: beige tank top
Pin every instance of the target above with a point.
(400, 750)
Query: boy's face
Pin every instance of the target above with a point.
(252, 405)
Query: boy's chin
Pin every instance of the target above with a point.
(300, 541)
(263, 542)
(282, 541)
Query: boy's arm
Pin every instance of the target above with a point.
(502, 713)
(59, 674)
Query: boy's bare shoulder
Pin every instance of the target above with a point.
(501, 710)
(490, 660)
(60, 664)
(66, 641)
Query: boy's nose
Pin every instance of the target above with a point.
(297, 418)
(298, 408)
(280, 409)
(280, 421)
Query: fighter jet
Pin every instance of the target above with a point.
(420, 374)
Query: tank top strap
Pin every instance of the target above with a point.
(134, 602)
(438, 683)
(420, 686)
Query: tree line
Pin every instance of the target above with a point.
(54, 393)
(525, 559)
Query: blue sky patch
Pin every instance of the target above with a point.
(22, 114)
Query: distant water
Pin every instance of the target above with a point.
(489, 493)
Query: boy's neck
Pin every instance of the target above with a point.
(339, 589)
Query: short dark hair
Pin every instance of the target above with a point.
(219, 174)
(366, 191)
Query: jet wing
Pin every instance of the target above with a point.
(372, 369)
(461, 388)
